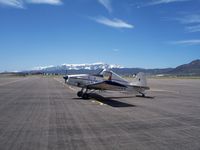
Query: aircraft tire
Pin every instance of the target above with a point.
(79, 93)
(85, 96)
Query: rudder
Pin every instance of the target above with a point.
(140, 79)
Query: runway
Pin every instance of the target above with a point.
(41, 113)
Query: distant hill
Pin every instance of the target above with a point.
(193, 68)
(131, 71)
(190, 69)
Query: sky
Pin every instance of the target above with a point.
(131, 33)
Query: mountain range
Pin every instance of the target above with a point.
(93, 66)
(191, 69)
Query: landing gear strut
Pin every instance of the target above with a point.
(142, 94)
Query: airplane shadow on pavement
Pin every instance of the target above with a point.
(110, 100)
(114, 103)
(150, 97)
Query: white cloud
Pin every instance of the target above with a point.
(21, 3)
(51, 2)
(188, 19)
(195, 28)
(191, 22)
(157, 2)
(187, 42)
(106, 4)
(12, 3)
(115, 23)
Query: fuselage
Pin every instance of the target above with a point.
(82, 80)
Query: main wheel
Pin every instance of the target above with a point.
(79, 93)
(85, 96)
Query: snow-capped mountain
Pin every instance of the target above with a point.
(93, 66)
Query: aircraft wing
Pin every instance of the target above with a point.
(106, 85)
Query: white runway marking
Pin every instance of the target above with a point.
(160, 90)
(73, 89)
(97, 102)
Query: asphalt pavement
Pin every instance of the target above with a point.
(41, 113)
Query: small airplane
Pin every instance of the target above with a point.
(106, 80)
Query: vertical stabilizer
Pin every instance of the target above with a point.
(140, 80)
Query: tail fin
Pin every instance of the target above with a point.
(140, 80)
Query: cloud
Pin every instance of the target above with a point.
(187, 42)
(189, 19)
(157, 2)
(51, 2)
(115, 23)
(12, 3)
(190, 22)
(106, 4)
(195, 28)
(21, 3)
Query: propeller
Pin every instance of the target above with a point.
(65, 77)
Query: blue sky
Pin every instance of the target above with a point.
(132, 33)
